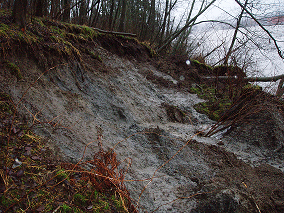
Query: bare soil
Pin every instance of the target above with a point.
(236, 186)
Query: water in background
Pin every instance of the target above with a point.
(257, 53)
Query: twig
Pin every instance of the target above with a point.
(57, 209)
(262, 27)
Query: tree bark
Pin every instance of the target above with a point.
(121, 27)
(163, 27)
(111, 15)
(279, 92)
(96, 13)
(20, 13)
(82, 12)
(115, 33)
(40, 8)
(151, 20)
(66, 10)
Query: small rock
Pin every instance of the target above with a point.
(17, 163)
(41, 208)
(28, 150)
(89, 207)
(220, 143)
(36, 158)
(181, 78)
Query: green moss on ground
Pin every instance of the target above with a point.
(214, 107)
(201, 66)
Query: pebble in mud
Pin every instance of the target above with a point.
(220, 143)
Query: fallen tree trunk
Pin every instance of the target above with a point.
(114, 33)
(250, 79)
(279, 92)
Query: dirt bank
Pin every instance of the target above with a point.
(141, 107)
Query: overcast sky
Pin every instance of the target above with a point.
(232, 8)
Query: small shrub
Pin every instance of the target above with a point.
(5, 106)
(96, 194)
(39, 21)
(150, 49)
(106, 207)
(95, 56)
(202, 67)
(195, 90)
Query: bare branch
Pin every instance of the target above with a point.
(186, 26)
(262, 27)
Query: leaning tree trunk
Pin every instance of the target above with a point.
(20, 13)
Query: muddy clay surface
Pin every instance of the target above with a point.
(142, 108)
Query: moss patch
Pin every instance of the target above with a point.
(14, 69)
(202, 67)
(79, 199)
(214, 107)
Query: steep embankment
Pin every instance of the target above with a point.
(101, 88)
